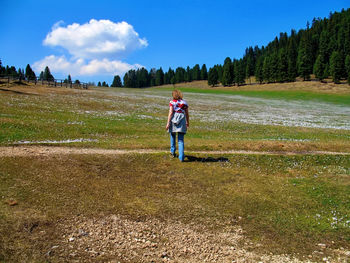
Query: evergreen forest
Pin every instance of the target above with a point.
(321, 49)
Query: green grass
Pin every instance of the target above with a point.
(285, 203)
(341, 99)
(51, 116)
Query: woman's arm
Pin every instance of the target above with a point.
(171, 110)
(187, 117)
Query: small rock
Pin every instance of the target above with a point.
(82, 233)
(322, 245)
(71, 239)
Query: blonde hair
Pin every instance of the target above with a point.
(177, 95)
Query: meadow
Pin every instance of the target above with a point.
(289, 204)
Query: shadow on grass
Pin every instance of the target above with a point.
(14, 91)
(209, 159)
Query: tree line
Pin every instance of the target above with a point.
(322, 49)
(156, 77)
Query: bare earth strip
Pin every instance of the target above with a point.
(47, 150)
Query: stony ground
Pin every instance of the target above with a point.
(118, 239)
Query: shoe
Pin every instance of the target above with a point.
(173, 155)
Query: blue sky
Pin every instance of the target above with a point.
(88, 39)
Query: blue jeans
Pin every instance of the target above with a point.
(180, 138)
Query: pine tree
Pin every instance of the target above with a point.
(11, 71)
(304, 60)
(319, 68)
(2, 68)
(180, 75)
(323, 49)
(204, 72)
(69, 79)
(233, 73)
(196, 72)
(117, 82)
(347, 35)
(336, 66)
(152, 77)
(249, 68)
(143, 78)
(282, 66)
(159, 77)
(47, 75)
(347, 67)
(274, 73)
(239, 71)
(321, 63)
(41, 76)
(259, 70)
(29, 74)
(341, 49)
(227, 75)
(99, 84)
(220, 71)
(266, 72)
(166, 79)
(213, 77)
(188, 74)
(20, 74)
(171, 75)
(125, 80)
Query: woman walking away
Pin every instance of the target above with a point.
(178, 121)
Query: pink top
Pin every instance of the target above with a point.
(179, 105)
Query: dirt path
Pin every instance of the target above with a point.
(50, 150)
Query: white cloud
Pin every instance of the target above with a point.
(96, 39)
(81, 67)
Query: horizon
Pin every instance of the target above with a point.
(95, 48)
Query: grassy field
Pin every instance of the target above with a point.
(285, 204)
(112, 118)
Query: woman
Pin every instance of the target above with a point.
(178, 121)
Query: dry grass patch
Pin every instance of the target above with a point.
(313, 86)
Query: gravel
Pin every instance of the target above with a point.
(116, 238)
